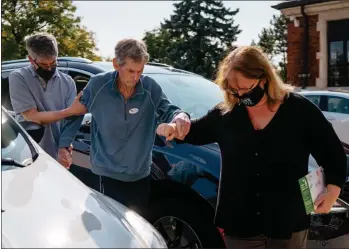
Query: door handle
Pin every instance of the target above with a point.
(330, 118)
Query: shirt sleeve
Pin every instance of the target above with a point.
(325, 146)
(204, 130)
(21, 97)
(71, 125)
(165, 109)
(72, 93)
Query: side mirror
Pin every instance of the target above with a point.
(36, 131)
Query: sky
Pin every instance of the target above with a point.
(112, 21)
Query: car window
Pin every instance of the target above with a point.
(80, 79)
(338, 105)
(5, 94)
(13, 142)
(193, 94)
(315, 99)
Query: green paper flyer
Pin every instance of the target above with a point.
(312, 185)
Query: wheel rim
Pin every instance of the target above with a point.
(177, 233)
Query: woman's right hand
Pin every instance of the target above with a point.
(169, 131)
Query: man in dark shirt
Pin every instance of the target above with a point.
(266, 134)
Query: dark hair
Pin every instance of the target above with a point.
(41, 45)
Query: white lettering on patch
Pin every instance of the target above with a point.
(133, 110)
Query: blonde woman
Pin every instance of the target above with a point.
(266, 133)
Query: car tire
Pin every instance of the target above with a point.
(190, 213)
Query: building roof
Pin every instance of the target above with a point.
(296, 3)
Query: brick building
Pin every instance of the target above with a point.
(318, 43)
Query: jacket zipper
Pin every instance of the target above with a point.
(125, 109)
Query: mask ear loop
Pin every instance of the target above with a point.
(266, 87)
(36, 64)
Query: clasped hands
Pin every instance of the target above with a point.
(178, 128)
(169, 131)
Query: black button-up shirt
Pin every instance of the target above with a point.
(259, 191)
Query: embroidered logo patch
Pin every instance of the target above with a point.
(133, 110)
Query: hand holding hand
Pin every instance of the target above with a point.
(65, 157)
(326, 200)
(183, 124)
(167, 130)
(76, 107)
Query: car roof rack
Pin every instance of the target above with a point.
(338, 90)
(71, 59)
(158, 64)
(171, 68)
(75, 59)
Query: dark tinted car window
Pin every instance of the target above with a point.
(80, 79)
(5, 95)
(338, 105)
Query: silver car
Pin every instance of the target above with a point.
(44, 205)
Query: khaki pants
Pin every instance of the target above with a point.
(298, 240)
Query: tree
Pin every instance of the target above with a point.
(267, 42)
(195, 37)
(273, 41)
(21, 18)
(279, 28)
(159, 45)
(107, 58)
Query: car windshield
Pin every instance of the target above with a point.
(106, 65)
(13, 143)
(193, 94)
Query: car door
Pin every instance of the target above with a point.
(337, 108)
(5, 88)
(337, 112)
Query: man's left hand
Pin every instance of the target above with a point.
(183, 123)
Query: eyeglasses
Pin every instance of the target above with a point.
(245, 90)
(45, 66)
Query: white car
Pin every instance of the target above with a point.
(335, 107)
(44, 205)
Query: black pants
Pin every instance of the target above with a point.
(134, 195)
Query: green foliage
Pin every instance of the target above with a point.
(20, 18)
(267, 41)
(195, 37)
(160, 45)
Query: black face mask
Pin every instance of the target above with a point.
(253, 97)
(46, 74)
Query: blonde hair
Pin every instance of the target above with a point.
(252, 63)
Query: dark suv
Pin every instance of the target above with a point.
(185, 177)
